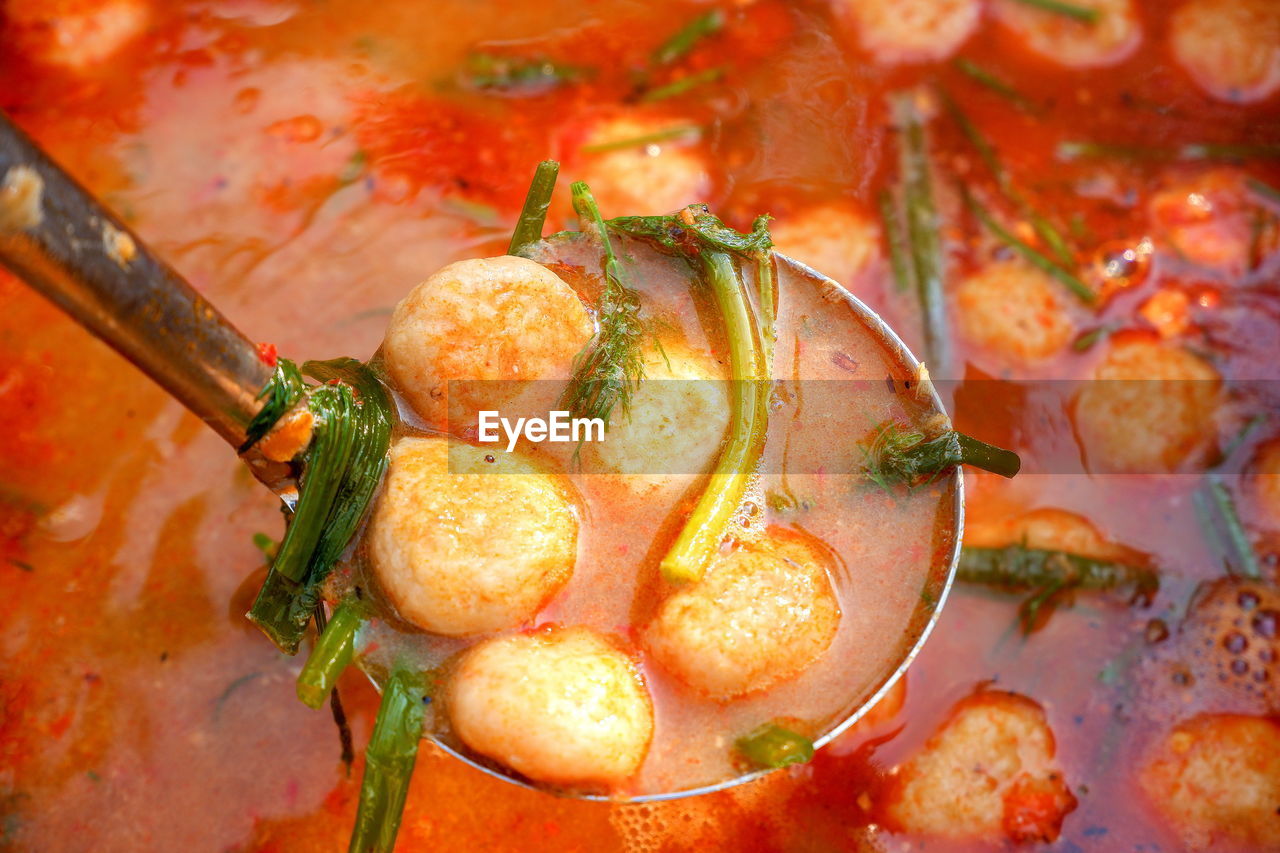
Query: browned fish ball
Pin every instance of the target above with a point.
(563, 706)
(479, 549)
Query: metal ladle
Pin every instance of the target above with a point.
(58, 238)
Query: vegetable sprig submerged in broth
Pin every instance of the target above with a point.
(609, 368)
(899, 455)
(1050, 574)
(712, 246)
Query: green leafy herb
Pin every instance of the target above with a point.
(773, 746)
(664, 135)
(1237, 441)
(534, 213)
(695, 230)
(1217, 511)
(518, 75)
(686, 39)
(983, 77)
(333, 651)
(341, 471)
(1263, 190)
(1193, 151)
(987, 152)
(282, 392)
(898, 455)
(1071, 10)
(1086, 340)
(903, 273)
(1048, 574)
(1217, 515)
(1072, 282)
(266, 545)
(609, 368)
(923, 227)
(682, 86)
(389, 760)
(702, 238)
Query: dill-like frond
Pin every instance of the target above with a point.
(609, 368)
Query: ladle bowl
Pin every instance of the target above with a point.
(66, 245)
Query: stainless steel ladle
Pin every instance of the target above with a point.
(58, 238)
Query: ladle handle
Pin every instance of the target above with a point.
(65, 244)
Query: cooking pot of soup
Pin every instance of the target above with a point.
(618, 506)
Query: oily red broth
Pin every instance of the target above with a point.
(137, 709)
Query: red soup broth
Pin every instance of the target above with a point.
(306, 165)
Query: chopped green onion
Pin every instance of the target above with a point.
(534, 213)
(333, 651)
(1071, 10)
(641, 141)
(981, 144)
(1237, 441)
(1042, 226)
(326, 461)
(1079, 229)
(1069, 280)
(1263, 190)
(1046, 573)
(1209, 525)
(1080, 150)
(1086, 340)
(389, 760)
(922, 233)
(679, 45)
(898, 261)
(773, 746)
(694, 230)
(518, 75)
(681, 86)
(1246, 559)
(266, 545)
(983, 77)
(480, 213)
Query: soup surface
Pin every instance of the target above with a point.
(306, 164)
